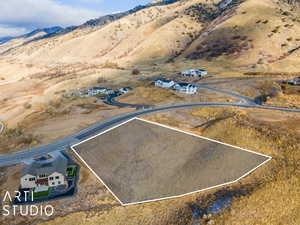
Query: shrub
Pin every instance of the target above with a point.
(276, 29)
(101, 80)
(15, 132)
(27, 106)
(286, 13)
(110, 65)
(135, 72)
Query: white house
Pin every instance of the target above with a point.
(296, 81)
(99, 90)
(186, 88)
(194, 73)
(125, 90)
(28, 181)
(163, 83)
(42, 174)
(56, 179)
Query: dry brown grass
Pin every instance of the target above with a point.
(84, 174)
(276, 199)
(271, 194)
(266, 74)
(155, 94)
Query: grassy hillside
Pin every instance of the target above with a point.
(251, 34)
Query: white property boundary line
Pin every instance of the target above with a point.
(2, 127)
(181, 131)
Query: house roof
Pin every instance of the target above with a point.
(126, 88)
(98, 88)
(194, 70)
(182, 84)
(56, 164)
(164, 80)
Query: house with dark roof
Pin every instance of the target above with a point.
(186, 88)
(45, 173)
(194, 73)
(296, 81)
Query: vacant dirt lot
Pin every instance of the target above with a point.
(141, 161)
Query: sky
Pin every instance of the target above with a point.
(22, 16)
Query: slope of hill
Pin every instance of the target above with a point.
(251, 34)
(13, 42)
(121, 36)
(5, 39)
(220, 35)
(48, 30)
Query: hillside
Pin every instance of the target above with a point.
(7, 43)
(252, 33)
(163, 36)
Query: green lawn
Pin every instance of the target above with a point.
(41, 194)
(71, 171)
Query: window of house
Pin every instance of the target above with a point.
(59, 182)
(53, 183)
(32, 179)
(51, 178)
(57, 177)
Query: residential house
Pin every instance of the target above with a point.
(125, 90)
(296, 81)
(194, 73)
(186, 88)
(45, 173)
(164, 83)
(99, 91)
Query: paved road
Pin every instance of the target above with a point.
(62, 144)
(110, 100)
(244, 99)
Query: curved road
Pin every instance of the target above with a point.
(62, 144)
(110, 99)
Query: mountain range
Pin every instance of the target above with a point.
(256, 34)
(159, 39)
(46, 31)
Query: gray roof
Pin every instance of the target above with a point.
(182, 84)
(97, 88)
(164, 80)
(57, 164)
